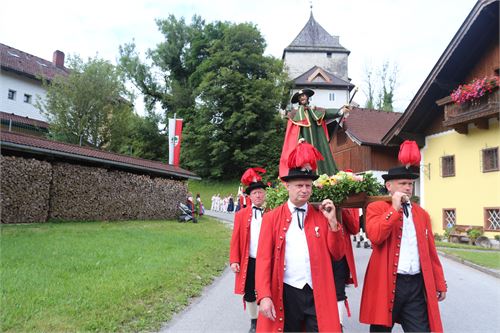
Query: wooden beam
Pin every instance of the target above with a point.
(482, 123)
(461, 128)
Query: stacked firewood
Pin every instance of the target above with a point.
(37, 191)
(25, 187)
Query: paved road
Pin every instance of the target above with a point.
(472, 303)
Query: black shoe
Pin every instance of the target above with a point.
(361, 238)
(354, 239)
(367, 246)
(358, 245)
(253, 326)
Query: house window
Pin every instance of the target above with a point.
(448, 166)
(492, 219)
(490, 159)
(27, 98)
(328, 54)
(449, 218)
(331, 96)
(12, 95)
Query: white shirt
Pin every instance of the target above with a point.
(297, 262)
(409, 260)
(255, 225)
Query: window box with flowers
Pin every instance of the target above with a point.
(475, 90)
(345, 189)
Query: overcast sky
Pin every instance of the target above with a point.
(410, 33)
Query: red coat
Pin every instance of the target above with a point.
(271, 260)
(350, 222)
(240, 245)
(380, 278)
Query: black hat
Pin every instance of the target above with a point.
(255, 185)
(295, 97)
(401, 172)
(298, 173)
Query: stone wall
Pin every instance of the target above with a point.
(70, 192)
(24, 192)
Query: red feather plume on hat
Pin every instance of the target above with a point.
(251, 176)
(304, 156)
(409, 154)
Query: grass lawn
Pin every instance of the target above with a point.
(490, 259)
(105, 276)
(462, 246)
(208, 188)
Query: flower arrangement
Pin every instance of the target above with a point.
(474, 90)
(336, 188)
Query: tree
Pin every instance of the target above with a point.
(384, 90)
(88, 105)
(217, 79)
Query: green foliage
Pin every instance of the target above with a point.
(88, 105)
(336, 188)
(448, 232)
(105, 277)
(207, 188)
(438, 237)
(490, 259)
(276, 196)
(380, 95)
(217, 79)
(474, 233)
(497, 237)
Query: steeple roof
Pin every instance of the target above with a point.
(313, 38)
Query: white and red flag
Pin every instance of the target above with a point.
(174, 140)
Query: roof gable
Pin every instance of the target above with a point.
(23, 63)
(313, 37)
(478, 31)
(317, 76)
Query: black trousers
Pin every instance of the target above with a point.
(410, 306)
(340, 274)
(250, 282)
(300, 312)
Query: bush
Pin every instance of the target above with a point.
(438, 237)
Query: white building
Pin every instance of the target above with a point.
(21, 78)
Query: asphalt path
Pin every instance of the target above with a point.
(472, 303)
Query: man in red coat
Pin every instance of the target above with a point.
(404, 279)
(244, 241)
(294, 278)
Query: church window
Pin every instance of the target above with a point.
(328, 54)
(12, 95)
(331, 96)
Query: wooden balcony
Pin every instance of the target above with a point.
(459, 116)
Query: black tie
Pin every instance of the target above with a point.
(255, 211)
(406, 206)
(301, 223)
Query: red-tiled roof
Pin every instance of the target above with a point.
(26, 64)
(31, 144)
(23, 120)
(368, 126)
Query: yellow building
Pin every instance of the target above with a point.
(459, 136)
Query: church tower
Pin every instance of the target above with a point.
(315, 59)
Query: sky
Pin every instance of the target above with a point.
(411, 34)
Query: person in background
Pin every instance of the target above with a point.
(244, 242)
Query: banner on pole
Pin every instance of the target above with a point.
(174, 140)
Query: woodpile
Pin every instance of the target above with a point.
(34, 191)
(25, 187)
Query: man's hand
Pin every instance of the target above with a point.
(266, 306)
(282, 113)
(345, 110)
(441, 295)
(235, 267)
(328, 209)
(397, 198)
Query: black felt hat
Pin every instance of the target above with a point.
(295, 97)
(298, 173)
(401, 172)
(255, 185)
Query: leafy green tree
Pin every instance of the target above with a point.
(384, 90)
(217, 79)
(88, 105)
